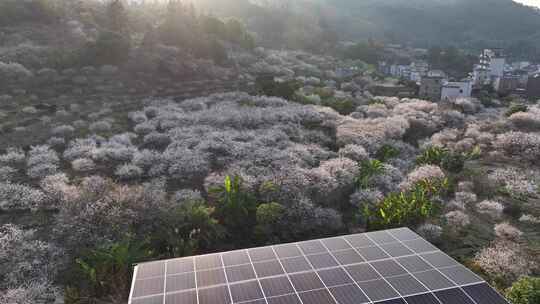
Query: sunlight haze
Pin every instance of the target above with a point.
(148, 148)
(529, 2)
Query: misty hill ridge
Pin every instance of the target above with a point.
(468, 23)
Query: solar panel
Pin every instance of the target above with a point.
(240, 273)
(334, 244)
(277, 286)
(334, 277)
(396, 249)
(406, 285)
(433, 279)
(372, 253)
(323, 260)
(287, 251)
(306, 281)
(425, 298)
(393, 301)
(378, 290)
(347, 257)
(483, 294)
(362, 272)
(287, 299)
(349, 294)
(238, 257)
(208, 261)
(388, 268)
(210, 277)
(297, 264)
(385, 267)
(413, 263)
(246, 291)
(181, 281)
(179, 266)
(320, 296)
(312, 247)
(214, 295)
(262, 254)
(451, 296)
(268, 268)
(148, 300)
(186, 297)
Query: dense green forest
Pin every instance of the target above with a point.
(471, 24)
(468, 24)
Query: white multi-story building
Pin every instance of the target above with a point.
(480, 75)
(496, 67)
(490, 68)
(456, 89)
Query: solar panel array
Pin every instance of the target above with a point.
(391, 267)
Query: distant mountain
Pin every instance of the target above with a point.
(465, 23)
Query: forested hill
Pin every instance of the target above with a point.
(467, 23)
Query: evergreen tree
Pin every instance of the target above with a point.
(117, 17)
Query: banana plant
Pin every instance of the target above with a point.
(236, 206)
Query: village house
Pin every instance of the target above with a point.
(508, 83)
(390, 90)
(418, 69)
(519, 65)
(456, 89)
(431, 85)
(496, 65)
(533, 87)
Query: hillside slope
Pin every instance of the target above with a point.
(468, 23)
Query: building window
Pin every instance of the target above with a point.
(460, 91)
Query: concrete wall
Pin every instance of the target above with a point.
(453, 90)
(497, 67)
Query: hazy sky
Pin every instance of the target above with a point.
(530, 2)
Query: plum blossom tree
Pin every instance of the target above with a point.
(28, 265)
(19, 197)
(506, 260)
(42, 161)
(519, 144)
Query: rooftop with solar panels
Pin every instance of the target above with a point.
(392, 267)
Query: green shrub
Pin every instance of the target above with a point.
(374, 101)
(516, 108)
(432, 156)
(110, 48)
(217, 52)
(268, 214)
(324, 93)
(406, 208)
(13, 12)
(368, 170)
(387, 152)
(236, 207)
(267, 86)
(269, 217)
(185, 230)
(453, 162)
(342, 106)
(107, 270)
(524, 291)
